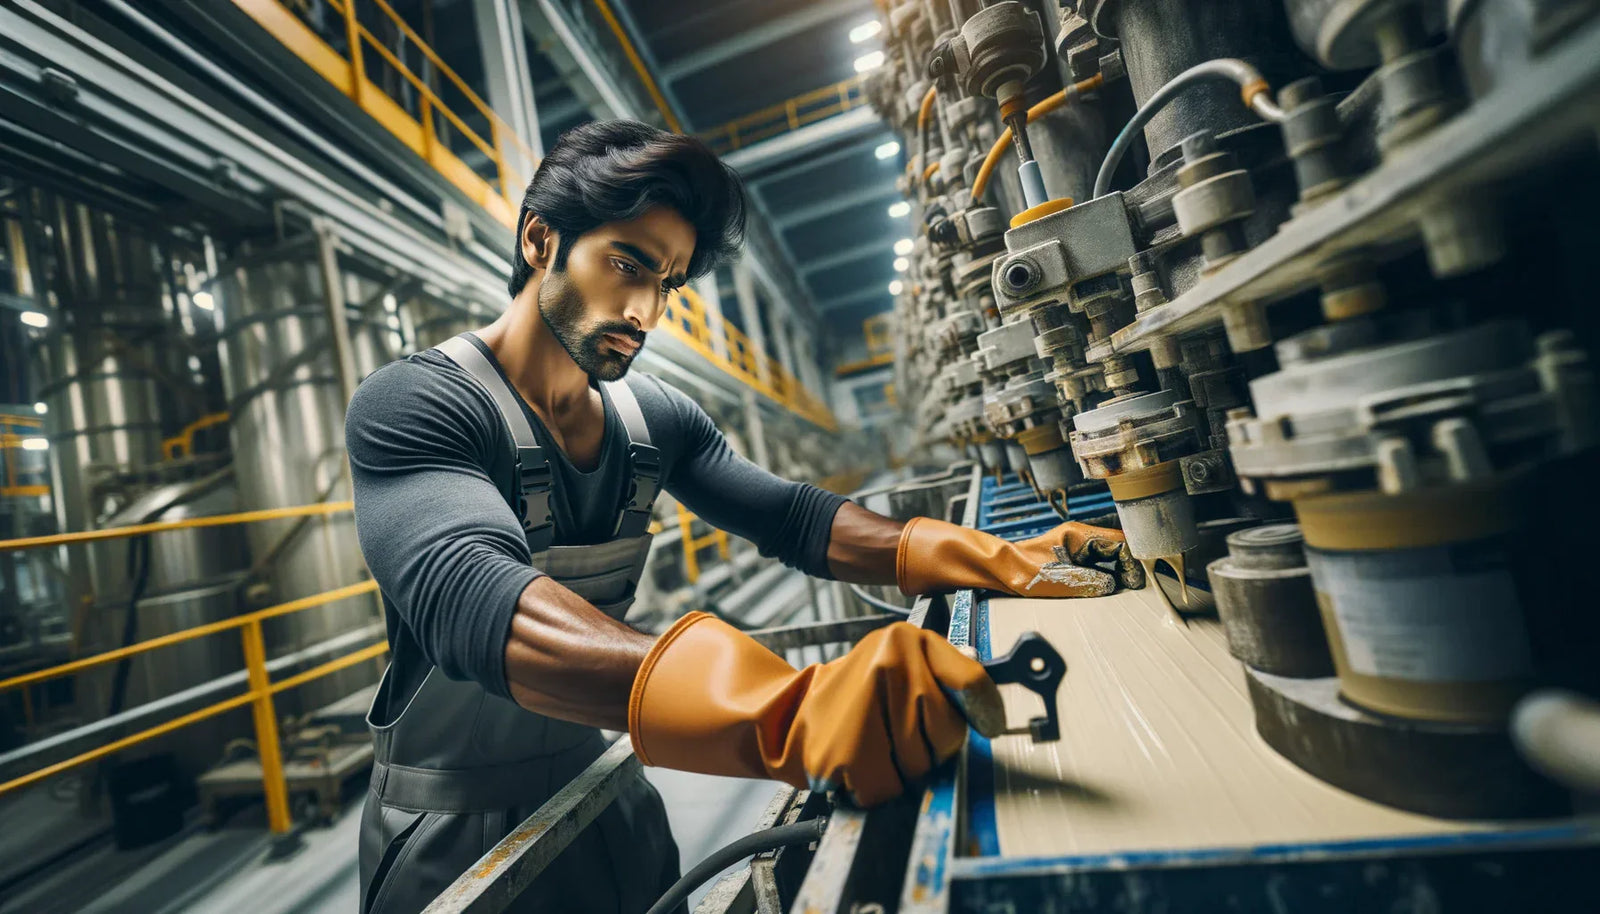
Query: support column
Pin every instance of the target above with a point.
(744, 286)
(783, 344)
(756, 431)
(706, 288)
(509, 86)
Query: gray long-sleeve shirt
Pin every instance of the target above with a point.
(432, 463)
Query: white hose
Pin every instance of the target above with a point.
(1229, 68)
(1558, 732)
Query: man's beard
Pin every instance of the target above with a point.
(562, 309)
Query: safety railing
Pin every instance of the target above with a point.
(693, 544)
(686, 320)
(14, 430)
(347, 69)
(807, 108)
(877, 332)
(260, 686)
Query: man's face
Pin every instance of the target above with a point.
(615, 288)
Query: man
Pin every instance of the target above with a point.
(503, 485)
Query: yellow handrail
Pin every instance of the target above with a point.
(189, 634)
(639, 68)
(692, 544)
(215, 520)
(787, 115)
(259, 696)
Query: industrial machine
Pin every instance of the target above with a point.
(1280, 274)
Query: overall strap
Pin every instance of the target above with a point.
(533, 467)
(644, 462)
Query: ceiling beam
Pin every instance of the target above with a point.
(855, 298)
(847, 199)
(849, 255)
(857, 146)
(767, 33)
(795, 142)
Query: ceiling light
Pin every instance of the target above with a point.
(899, 208)
(901, 264)
(865, 30)
(870, 61)
(903, 246)
(204, 301)
(35, 444)
(40, 408)
(35, 319)
(886, 150)
(896, 287)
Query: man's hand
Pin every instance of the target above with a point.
(934, 555)
(873, 722)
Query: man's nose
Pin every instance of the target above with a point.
(644, 311)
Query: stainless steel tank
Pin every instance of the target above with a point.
(98, 369)
(282, 382)
(193, 578)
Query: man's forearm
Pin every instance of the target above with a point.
(862, 546)
(568, 660)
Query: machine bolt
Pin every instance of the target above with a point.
(1020, 275)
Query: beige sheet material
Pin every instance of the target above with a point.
(1158, 748)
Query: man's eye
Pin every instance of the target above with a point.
(626, 267)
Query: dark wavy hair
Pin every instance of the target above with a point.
(612, 171)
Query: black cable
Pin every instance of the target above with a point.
(138, 567)
(748, 846)
(871, 600)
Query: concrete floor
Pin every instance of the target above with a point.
(231, 871)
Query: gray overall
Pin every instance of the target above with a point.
(459, 768)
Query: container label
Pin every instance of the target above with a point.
(1442, 614)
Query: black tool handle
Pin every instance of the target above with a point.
(1033, 663)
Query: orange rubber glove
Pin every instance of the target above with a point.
(710, 699)
(935, 555)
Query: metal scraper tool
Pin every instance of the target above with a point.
(1037, 666)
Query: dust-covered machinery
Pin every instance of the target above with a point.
(1303, 284)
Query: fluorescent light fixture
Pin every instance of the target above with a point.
(887, 150)
(896, 287)
(899, 208)
(903, 246)
(204, 301)
(871, 61)
(35, 444)
(40, 408)
(865, 30)
(35, 319)
(389, 304)
(901, 264)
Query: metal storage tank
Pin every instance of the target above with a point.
(285, 395)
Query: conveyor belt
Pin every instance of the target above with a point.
(1161, 796)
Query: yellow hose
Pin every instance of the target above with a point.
(926, 110)
(998, 150)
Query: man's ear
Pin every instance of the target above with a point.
(538, 242)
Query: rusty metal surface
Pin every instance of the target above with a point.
(495, 881)
(842, 631)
